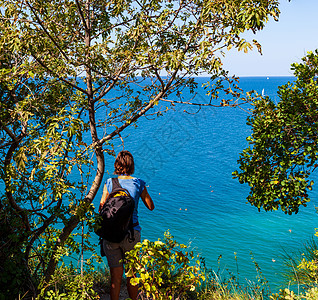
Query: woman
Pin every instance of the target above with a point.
(124, 168)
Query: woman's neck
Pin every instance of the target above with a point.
(124, 176)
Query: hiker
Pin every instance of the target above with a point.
(114, 252)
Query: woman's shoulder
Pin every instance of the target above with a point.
(139, 180)
(136, 180)
(140, 183)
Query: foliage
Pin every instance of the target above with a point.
(13, 271)
(230, 289)
(301, 266)
(67, 283)
(310, 268)
(301, 273)
(164, 269)
(286, 294)
(74, 74)
(219, 286)
(283, 144)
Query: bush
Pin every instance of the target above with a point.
(302, 266)
(286, 294)
(69, 284)
(164, 269)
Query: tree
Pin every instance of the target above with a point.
(284, 143)
(65, 62)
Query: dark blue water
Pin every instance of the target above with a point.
(187, 161)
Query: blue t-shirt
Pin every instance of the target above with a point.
(134, 186)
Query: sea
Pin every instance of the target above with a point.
(187, 158)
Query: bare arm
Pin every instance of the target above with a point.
(104, 198)
(147, 199)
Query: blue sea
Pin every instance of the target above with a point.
(187, 161)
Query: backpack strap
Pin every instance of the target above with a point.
(115, 183)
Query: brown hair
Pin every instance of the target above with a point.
(124, 163)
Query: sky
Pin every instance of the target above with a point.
(283, 42)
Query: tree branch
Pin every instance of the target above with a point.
(132, 119)
(9, 132)
(81, 15)
(45, 30)
(57, 76)
(190, 103)
(20, 211)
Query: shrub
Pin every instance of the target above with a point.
(164, 269)
(286, 294)
(68, 283)
(302, 266)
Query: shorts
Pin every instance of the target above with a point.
(115, 252)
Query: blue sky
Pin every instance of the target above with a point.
(283, 42)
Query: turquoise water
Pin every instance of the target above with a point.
(187, 161)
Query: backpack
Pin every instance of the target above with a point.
(116, 215)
